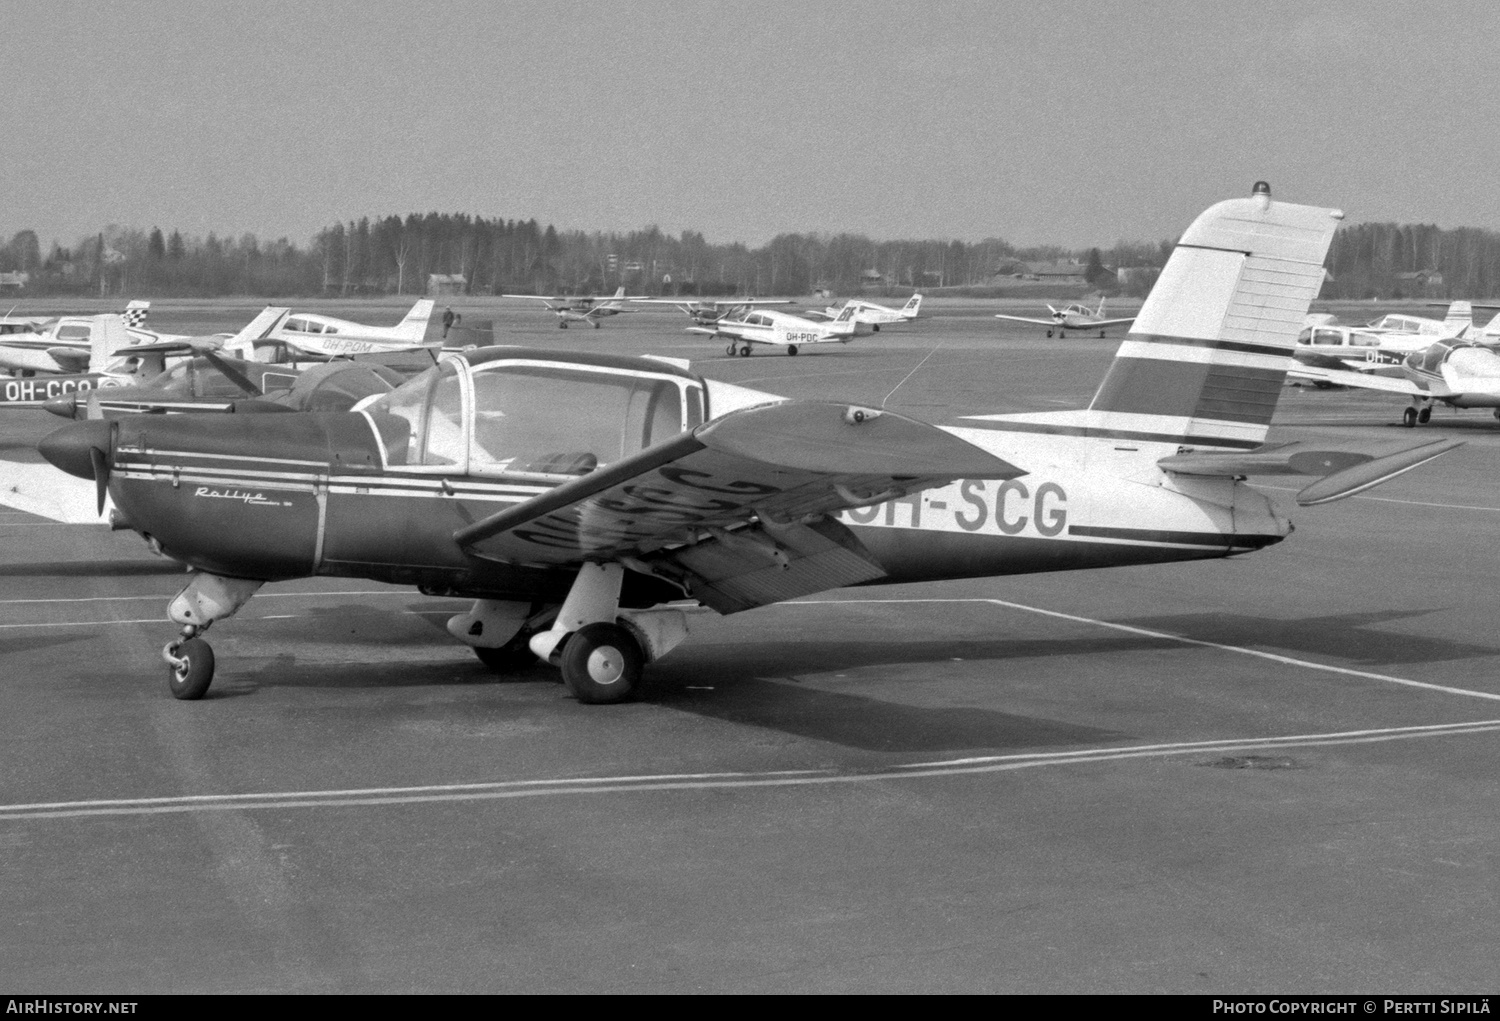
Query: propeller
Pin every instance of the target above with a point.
(101, 476)
(234, 375)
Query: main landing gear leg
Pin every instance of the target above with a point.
(207, 598)
(499, 632)
(601, 661)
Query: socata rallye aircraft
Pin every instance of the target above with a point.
(580, 499)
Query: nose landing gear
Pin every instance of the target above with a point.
(189, 659)
(190, 664)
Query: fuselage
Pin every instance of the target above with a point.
(276, 497)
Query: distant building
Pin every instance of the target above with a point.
(872, 278)
(1423, 281)
(439, 284)
(1057, 272)
(14, 281)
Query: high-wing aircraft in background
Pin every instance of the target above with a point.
(706, 313)
(872, 315)
(280, 335)
(749, 327)
(582, 309)
(580, 499)
(1073, 317)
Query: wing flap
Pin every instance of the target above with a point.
(773, 463)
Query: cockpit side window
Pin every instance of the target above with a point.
(560, 420)
(1327, 337)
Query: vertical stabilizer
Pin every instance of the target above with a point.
(106, 337)
(909, 310)
(242, 344)
(1206, 357)
(413, 328)
(135, 314)
(1459, 320)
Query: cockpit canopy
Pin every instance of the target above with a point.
(515, 414)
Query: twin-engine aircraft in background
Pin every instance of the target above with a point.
(1072, 317)
(580, 500)
(749, 327)
(589, 309)
(867, 313)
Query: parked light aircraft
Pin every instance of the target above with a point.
(279, 335)
(875, 316)
(67, 344)
(706, 313)
(1073, 317)
(582, 310)
(1356, 349)
(777, 329)
(579, 499)
(1459, 373)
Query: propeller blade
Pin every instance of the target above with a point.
(101, 476)
(234, 375)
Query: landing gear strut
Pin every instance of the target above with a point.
(189, 659)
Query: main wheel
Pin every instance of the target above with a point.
(1049, 333)
(875, 327)
(1424, 416)
(601, 663)
(1101, 334)
(562, 324)
(195, 672)
(596, 324)
(791, 349)
(1409, 417)
(745, 351)
(1062, 334)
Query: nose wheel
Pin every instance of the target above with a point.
(190, 665)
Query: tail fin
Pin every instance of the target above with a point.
(909, 310)
(620, 291)
(1459, 319)
(242, 344)
(1205, 360)
(414, 327)
(1491, 332)
(106, 337)
(135, 313)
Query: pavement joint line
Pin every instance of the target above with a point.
(172, 595)
(610, 785)
(1391, 499)
(1182, 639)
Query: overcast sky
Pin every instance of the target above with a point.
(1079, 123)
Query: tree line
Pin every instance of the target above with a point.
(396, 255)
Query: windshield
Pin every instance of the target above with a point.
(422, 420)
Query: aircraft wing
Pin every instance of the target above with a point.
(1023, 319)
(1361, 380)
(42, 490)
(1343, 472)
(737, 510)
(1100, 323)
(71, 359)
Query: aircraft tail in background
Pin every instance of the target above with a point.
(413, 328)
(135, 314)
(909, 310)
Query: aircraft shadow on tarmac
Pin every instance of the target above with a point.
(1342, 636)
(31, 643)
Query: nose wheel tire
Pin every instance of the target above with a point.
(601, 663)
(729, 350)
(1409, 417)
(190, 668)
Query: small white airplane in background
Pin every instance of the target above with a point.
(1073, 317)
(66, 344)
(875, 316)
(778, 329)
(582, 310)
(279, 335)
(1459, 373)
(706, 313)
(1356, 348)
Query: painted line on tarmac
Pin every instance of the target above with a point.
(1167, 635)
(173, 595)
(1390, 499)
(507, 789)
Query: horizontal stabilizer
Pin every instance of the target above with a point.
(1361, 380)
(1372, 473)
(71, 359)
(1284, 459)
